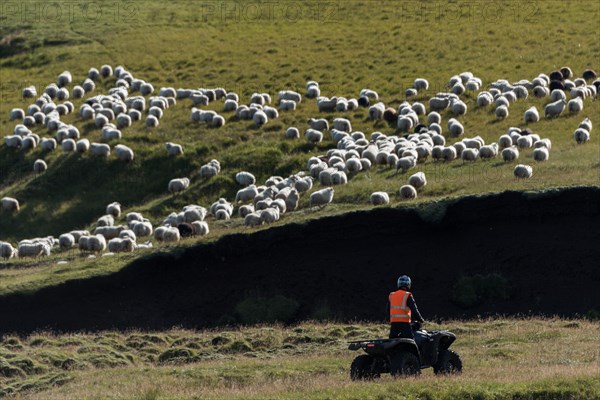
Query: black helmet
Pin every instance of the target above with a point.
(404, 282)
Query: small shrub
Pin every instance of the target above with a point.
(177, 355)
(470, 291)
(238, 346)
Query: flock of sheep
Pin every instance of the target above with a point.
(419, 136)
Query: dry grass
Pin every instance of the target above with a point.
(504, 358)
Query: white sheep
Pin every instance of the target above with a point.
(66, 241)
(141, 228)
(418, 180)
(253, 219)
(260, 118)
(82, 145)
(525, 142)
(212, 168)
(421, 84)
(100, 149)
(7, 250)
(29, 92)
(510, 154)
(64, 79)
(408, 192)
(376, 111)
(406, 163)
(469, 154)
(455, 128)
(320, 124)
(541, 154)
(174, 149)
(270, 215)
(13, 141)
(489, 151)
(326, 104)
(312, 90)
(106, 220)
(292, 133)
(581, 135)
(114, 209)
(33, 249)
(523, 171)
(342, 124)
(124, 153)
(246, 194)
(40, 166)
(575, 105)
(380, 198)
(200, 228)
(313, 136)
(118, 245)
(289, 95)
(28, 142)
(245, 178)
(543, 143)
(178, 185)
(501, 112)
(10, 204)
(554, 109)
(321, 197)
(369, 93)
(287, 105)
(586, 124)
(79, 233)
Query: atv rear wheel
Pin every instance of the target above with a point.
(449, 362)
(404, 363)
(364, 367)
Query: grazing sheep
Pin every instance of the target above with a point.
(200, 228)
(376, 111)
(287, 105)
(39, 166)
(554, 109)
(17, 113)
(289, 95)
(449, 153)
(114, 209)
(390, 115)
(326, 104)
(510, 154)
(543, 143)
(217, 121)
(541, 154)
(7, 250)
(246, 194)
(408, 192)
(29, 92)
(380, 198)
(501, 112)
(64, 79)
(487, 152)
(270, 215)
(421, 84)
(531, 115)
(100, 149)
(575, 105)
(469, 154)
(124, 153)
(170, 235)
(245, 210)
(557, 94)
(292, 133)
(66, 241)
(82, 145)
(371, 94)
(13, 141)
(29, 142)
(253, 219)
(245, 178)
(313, 136)
(458, 107)
(342, 124)
(185, 229)
(178, 185)
(141, 228)
(434, 118)
(418, 180)
(174, 149)
(586, 124)
(455, 128)
(123, 120)
(212, 168)
(260, 118)
(321, 197)
(525, 142)
(106, 220)
(589, 74)
(96, 243)
(581, 135)
(118, 245)
(406, 163)
(33, 249)
(320, 124)
(523, 171)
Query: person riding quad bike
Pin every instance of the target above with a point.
(403, 311)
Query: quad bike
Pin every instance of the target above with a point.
(405, 357)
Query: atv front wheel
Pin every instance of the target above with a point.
(404, 363)
(364, 367)
(449, 362)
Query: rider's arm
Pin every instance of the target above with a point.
(416, 315)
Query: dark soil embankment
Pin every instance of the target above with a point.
(547, 245)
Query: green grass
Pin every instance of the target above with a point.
(503, 359)
(180, 45)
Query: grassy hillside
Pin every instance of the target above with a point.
(503, 359)
(174, 44)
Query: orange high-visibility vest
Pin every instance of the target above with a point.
(399, 311)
